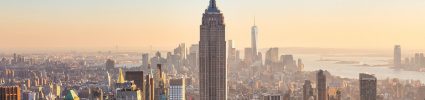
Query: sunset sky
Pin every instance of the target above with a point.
(162, 24)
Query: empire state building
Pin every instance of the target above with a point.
(212, 55)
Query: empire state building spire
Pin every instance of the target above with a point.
(213, 7)
(212, 4)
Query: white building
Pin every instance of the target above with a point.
(177, 89)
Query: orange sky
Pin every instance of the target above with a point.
(135, 24)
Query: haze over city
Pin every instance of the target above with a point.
(212, 50)
(50, 25)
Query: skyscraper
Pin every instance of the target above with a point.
(145, 60)
(321, 86)
(397, 56)
(367, 87)
(177, 89)
(128, 92)
(254, 39)
(307, 90)
(160, 88)
(231, 54)
(248, 56)
(212, 55)
(149, 88)
(136, 76)
(272, 56)
(10, 93)
(288, 60)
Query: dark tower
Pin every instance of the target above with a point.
(137, 77)
(321, 86)
(212, 55)
(367, 86)
(307, 90)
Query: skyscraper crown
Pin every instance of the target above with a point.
(120, 77)
(213, 7)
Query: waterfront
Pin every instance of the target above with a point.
(352, 70)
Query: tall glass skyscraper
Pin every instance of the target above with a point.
(322, 92)
(212, 55)
(254, 39)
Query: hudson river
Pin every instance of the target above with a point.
(312, 63)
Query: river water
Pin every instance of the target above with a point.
(312, 63)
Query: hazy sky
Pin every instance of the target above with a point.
(138, 24)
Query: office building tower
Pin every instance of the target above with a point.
(321, 86)
(397, 56)
(152, 89)
(160, 89)
(289, 63)
(300, 65)
(128, 92)
(145, 60)
(419, 60)
(307, 90)
(254, 40)
(136, 77)
(10, 93)
(193, 58)
(212, 55)
(180, 51)
(367, 86)
(248, 55)
(124, 94)
(231, 51)
(287, 60)
(157, 59)
(149, 88)
(272, 56)
(177, 89)
(194, 48)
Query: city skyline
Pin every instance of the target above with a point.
(306, 50)
(71, 25)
